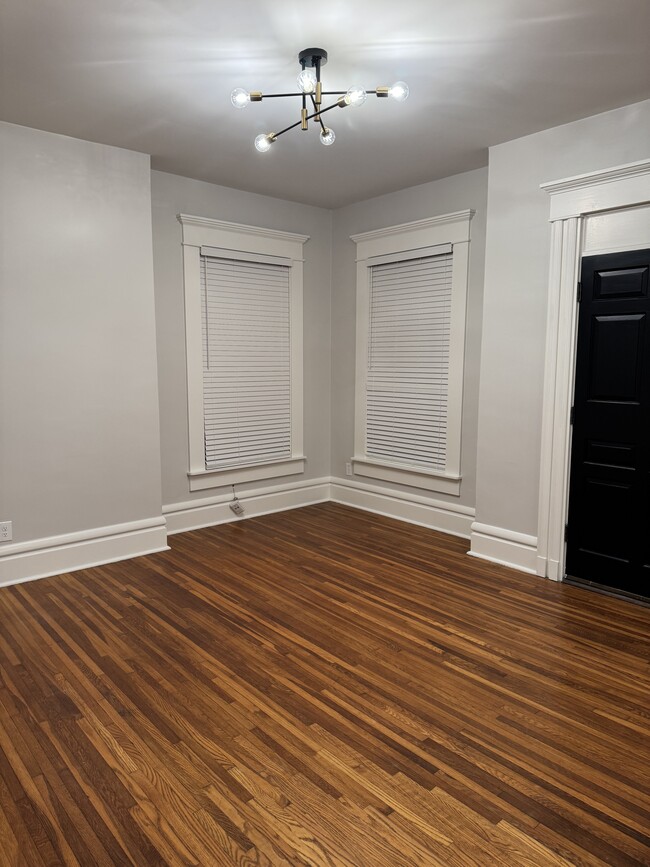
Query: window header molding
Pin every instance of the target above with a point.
(445, 229)
(205, 232)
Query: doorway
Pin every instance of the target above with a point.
(596, 213)
(608, 530)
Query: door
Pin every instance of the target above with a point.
(608, 533)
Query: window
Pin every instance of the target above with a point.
(243, 320)
(411, 301)
(408, 361)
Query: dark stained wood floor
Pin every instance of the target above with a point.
(320, 687)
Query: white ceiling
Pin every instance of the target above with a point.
(156, 76)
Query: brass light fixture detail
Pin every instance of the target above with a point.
(311, 89)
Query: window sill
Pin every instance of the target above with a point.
(201, 480)
(444, 483)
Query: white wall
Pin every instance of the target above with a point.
(79, 414)
(468, 190)
(514, 319)
(172, 195)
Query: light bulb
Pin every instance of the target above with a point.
(355, 96)
(327, 137)
(399, 91)
(307, 80)
(240, 97)
(263, 143)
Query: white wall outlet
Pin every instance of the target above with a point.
(236, 507)
(5, 531)
(348, 469)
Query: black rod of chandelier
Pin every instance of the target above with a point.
(309, 80)
(300, 93)
(309, 117)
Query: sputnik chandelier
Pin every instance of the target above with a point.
(311, 93)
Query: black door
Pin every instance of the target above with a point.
(608, 537)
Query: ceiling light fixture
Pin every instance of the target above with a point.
(311, 89)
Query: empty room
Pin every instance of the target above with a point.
(324, 433)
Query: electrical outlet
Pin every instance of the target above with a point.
(5, 531)
(348, 469)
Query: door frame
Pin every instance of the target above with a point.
(572, 200)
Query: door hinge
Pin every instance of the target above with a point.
(579, 292)
(572, 414)
(566, 532)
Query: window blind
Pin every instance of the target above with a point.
(408, 361)
(246, 362)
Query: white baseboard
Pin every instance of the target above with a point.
(504, 546)
(549, 568)
(208, 511)
(414, 509)
(40, 558)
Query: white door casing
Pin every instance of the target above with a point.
(587, 216)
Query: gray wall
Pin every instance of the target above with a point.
(514, 319)
(456, 193)
(172, 195)
(79, 414)
(79, 426)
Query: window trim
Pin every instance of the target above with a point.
(400, 242)
(230, 239)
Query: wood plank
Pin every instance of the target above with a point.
(321, 687)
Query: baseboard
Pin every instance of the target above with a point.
(414, 509)
(41, 558)
(548, 568)
(208, 511)
(67, 553)
(504, 546)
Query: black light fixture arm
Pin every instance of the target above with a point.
(278, 95)
(309, 80)
(300, 93)
(309, 117)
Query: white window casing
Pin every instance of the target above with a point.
(243, 323)
(410, 347)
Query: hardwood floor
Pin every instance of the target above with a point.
(321, 687)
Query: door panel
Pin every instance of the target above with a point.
(609, 502)
(610, 454)
(622, 282)
(616, 357)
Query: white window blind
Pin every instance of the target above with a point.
(246, 362)
(408, 361)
